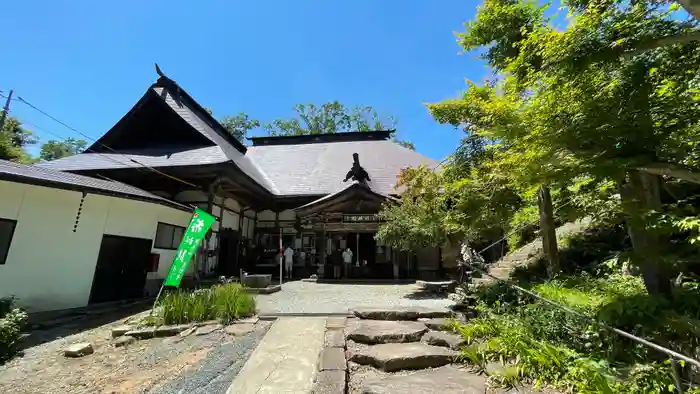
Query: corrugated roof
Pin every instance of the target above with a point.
(36, 175)
(319, 169)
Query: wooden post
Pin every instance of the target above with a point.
(548, 231)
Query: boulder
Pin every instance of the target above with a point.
(392, 357)
(121, 330)
(386, 331)
(123, 341)
(239, 328)
(78, 349)
(440, 338)
(445, 380)
(411, 313)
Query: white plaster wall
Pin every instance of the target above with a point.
(51, 267)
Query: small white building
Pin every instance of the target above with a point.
(67, 240)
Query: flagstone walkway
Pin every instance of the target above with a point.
(286, 359)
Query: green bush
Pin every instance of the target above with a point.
(12, 322)
(547, 345)
(223, 302)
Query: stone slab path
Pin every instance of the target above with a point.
(285, 361)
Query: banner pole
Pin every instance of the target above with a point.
(162, 285)
(281, 256)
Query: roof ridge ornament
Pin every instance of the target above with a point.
(357, 173)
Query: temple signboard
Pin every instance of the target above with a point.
(360, 218)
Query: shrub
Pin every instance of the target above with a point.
(550, 346)
(225, 303)
(12, 321)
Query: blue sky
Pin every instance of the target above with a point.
(88, 62)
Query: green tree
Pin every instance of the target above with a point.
(332, 117)
(622, 113)
(14, 139)
(239, 125)
(53, 149)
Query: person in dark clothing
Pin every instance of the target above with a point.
(337, 263)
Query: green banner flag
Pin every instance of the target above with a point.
(199, 225)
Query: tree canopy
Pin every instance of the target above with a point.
(598, 109)
(53, 149)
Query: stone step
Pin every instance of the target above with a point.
(386, 331)
(444, 380)
(438, 324)
(439, 338)
(411, 313)
(391, 357)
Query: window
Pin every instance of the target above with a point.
(7, 230)
(168, 236)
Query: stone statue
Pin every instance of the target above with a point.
(357, 173)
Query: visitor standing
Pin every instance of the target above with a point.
(347, 259)
(288, 261)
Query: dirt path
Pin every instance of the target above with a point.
(155, 366)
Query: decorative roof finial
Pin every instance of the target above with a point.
(357, 173)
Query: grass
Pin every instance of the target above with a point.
(225, 303)
(546, 346)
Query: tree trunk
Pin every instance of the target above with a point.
(640, 195)
(549, 235)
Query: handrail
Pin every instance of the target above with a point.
(673, 354)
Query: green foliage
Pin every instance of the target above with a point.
(223, 302)
(331, 117)
(239, 125)
(549, 346)
(14, 139)
(53, 149)
(12, 321)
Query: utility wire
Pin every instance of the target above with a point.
(22, 100)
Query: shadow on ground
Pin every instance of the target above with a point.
(77, 322)
(423, 294)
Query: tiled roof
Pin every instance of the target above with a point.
(145, 157)
(318, 169)
(35, 175)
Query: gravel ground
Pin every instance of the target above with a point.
(309, 297)
(194, 364)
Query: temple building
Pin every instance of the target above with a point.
(318, 193)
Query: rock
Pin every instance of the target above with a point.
(188, 332)
(335, 338)
(392, 357)
(386, 331)
(123, 341)
(206, 330)
(248, 320)
(439, 338)
(78, 349)
(329, 382)
(336, 322)
(412, 313)
(121, 330)
(333, 359)
(445, 380)
(439, 324)
(239, 328)
(162, 331)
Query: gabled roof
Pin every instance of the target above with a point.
(319, 168)
(34, 175)
(352, 192)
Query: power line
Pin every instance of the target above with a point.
(22, 100)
